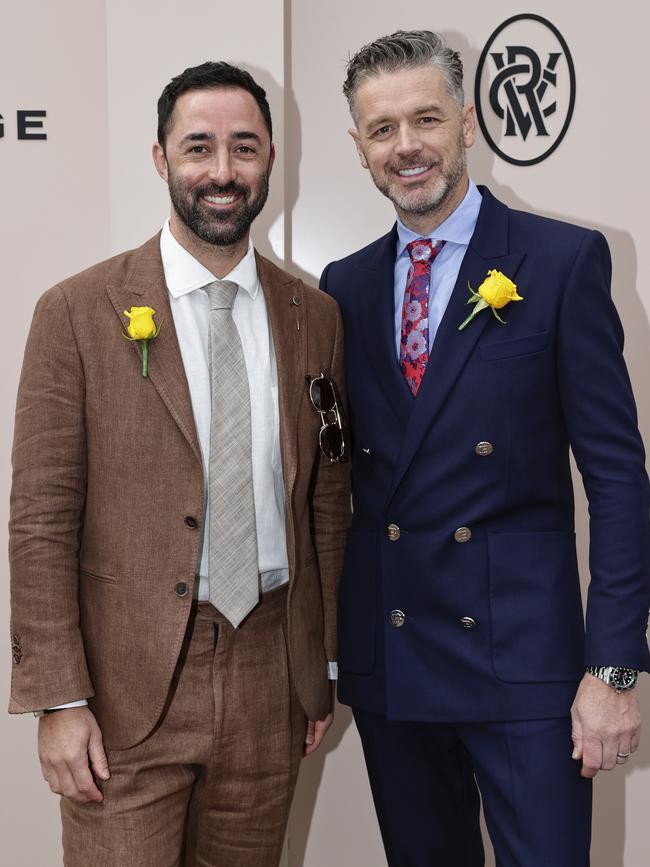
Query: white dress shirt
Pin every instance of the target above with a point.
(186, 278)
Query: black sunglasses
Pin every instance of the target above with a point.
(325, 399)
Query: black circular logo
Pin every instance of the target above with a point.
(525, 89)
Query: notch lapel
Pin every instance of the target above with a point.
(145, 285)
(488, 248)
(288, 323)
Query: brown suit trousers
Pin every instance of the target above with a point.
(212, 785)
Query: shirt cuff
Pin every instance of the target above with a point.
(81, 703)
(332, 670)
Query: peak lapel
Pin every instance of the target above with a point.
(289, 329)
(377, 300)
(489, 248)
(145, 285)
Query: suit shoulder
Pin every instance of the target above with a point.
(364, 255)
(566, 238)
(114, 270)
(318, 303)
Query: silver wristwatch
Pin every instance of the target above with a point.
(620, 679)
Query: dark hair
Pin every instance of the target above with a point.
(405, 49)
(203, 77)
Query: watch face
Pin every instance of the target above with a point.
(623, 678)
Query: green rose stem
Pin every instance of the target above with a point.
(480, 303)
(145, 357)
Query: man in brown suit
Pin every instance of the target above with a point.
(172, 723)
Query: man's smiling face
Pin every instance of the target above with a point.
(412, 136)
(217, 161)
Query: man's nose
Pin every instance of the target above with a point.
(221, 170)
(407, 141)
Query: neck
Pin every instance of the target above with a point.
(218, 260)
(427, 223)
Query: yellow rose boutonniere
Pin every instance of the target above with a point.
(142, 328)
(495, 292)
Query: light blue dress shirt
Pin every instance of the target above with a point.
(456, 231)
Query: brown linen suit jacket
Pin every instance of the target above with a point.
(108, 497)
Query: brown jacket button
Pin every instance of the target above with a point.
(191, 522)
(463, 534)
(181, 589)
(483, 449)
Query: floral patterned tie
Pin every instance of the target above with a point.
(414, 344)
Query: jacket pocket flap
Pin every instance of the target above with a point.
(514, 348)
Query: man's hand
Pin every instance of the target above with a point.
(606, 726)
(316, 732)
(69, 747)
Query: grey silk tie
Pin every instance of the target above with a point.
(232, 553)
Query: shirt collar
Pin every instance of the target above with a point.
(458, 228)
(184, 273)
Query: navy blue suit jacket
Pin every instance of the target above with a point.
(552, 378)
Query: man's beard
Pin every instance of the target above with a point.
(221, 228)
(430, 197)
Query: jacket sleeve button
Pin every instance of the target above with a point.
(191, 522)
(181, 589)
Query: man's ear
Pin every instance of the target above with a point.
(354, 132)
(160, 161)
(469, 125)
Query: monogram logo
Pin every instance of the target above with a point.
(525, 89)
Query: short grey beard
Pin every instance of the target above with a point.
(437, 197)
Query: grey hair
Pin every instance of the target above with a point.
(405, 49)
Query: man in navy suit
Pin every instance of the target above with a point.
(463, 650)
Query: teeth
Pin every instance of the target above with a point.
(418, 170)
(220, 200)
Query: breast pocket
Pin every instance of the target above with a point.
(516, 348)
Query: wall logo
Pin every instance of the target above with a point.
(525, 89)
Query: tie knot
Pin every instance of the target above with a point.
(424, 249)
(222, 294)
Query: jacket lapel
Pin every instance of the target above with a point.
(285, 307)
(489, 248)
(376, 293)
(145, 286)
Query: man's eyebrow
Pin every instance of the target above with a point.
(198, 136)
(240, 135)
(245, 134)
(380, 120)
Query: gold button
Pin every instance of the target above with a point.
(397, 618)
(483, 449)
(392, 532)
(463, 534)
(467, 622)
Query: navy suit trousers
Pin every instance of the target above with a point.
(426, 778)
